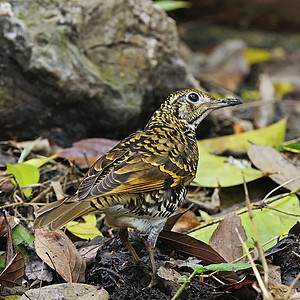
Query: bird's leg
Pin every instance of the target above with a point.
(154, 280)
(123, 234)
(150, 244)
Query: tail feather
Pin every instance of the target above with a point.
(58, 213)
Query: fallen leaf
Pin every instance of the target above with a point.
(85, 230)
(87, 149)
(291, 147)
(38, 162)
(36, 269)
(70, 291)
(271, 135)
(270, 160)
(191, 247)
(283, 88)
(59, 253)
(9, 251)
(256, 55)
(14, 271)
(225, 239)
(88, 253)
(25, 175)
(269, 223)
(221, 171)
(21, 235)
(58, 190)
(12, 221)
(175, 217)
(187, 221)
(168, 274)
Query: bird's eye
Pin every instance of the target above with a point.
(193, 97)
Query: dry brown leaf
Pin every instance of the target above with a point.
(69, 291)
(58, 252)
(269, 160)
(225, 239)
(14, 271)
(88, 149)
(187, 221)
(58, 190)
(179, 212)
(9, 250)
(168, 274)
(36, 269)
(12, 221)
(190, 246)
(88, 253)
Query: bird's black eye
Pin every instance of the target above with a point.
(193, 97)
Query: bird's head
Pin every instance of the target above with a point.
(189, 107)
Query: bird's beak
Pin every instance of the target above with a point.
(218, 103)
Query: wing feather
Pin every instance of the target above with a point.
(131, 167)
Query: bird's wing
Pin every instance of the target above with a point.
(134, 166)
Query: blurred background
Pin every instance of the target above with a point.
(77, 69)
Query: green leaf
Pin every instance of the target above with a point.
(291, 147)
(283, 88)
(269, 223)
(25, 174)
(11, 297)
(85, 230)
(220, 267)
(21, 235)
(27, 150)
(169, 5)
(37, 162)
(271, 135)
(256, 55)
(214, 171)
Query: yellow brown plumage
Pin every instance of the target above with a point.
(141, 181)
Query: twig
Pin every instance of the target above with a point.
(282, 211)
(265, 292)
(20, 203)
(245, 255)
(86, 159)
(257, 239)
(48, 189)
(18, 187)
(258, 244)
(289, 291)
(254, 206)
(42, 194)
(282, 185)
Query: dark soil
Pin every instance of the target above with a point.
(114, 269)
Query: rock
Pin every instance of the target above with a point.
(79, 69)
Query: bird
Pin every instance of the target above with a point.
(141, 181)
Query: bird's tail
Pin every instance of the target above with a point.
(58, 213)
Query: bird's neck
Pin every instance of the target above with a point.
(165, 120)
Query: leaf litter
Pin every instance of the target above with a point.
(109, 263)
(60, 254)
